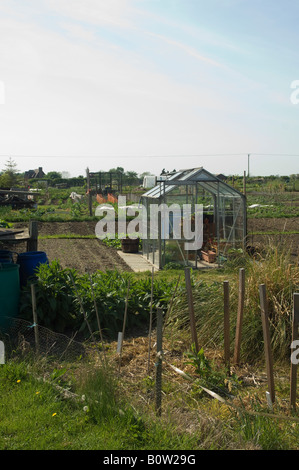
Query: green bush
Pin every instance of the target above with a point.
(61, 294)
(54, 298)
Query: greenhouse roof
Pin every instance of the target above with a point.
(205, 179)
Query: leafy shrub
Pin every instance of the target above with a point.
(60, 293)
(209, 375)
(54, 298)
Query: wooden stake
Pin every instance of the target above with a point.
(150, 323)
(124, 325)
(82, 309)
(295, 337)
(98, 317)
(33, 297)
(240, 315)
(226, 324)
(89, 191)
(191, 308)
(159, 362)
(32, 243)
(267, 342)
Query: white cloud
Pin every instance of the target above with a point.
(187, 49)
(98, 12)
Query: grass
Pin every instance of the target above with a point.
(81, 406)
(62, 236)
(274, 232)
(34, 415)
(272, 268)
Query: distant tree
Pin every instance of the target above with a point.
(9, 176)
(53, 175)
(131, 177)
(119, 169)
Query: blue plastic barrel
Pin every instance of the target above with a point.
(29, 262)
(9, 294)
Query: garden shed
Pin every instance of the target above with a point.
(224, 219)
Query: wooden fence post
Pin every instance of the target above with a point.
(150, 323)
(239, 315)
(295, 337)
(191, 308)
(159, 361)
(124, 326)
(33, 236)
(33, 297)
(89, 191)
(267, 342)
(226, 324)
(98, 317)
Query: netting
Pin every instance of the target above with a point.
(25, 338)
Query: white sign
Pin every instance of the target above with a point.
(119, 342)
(2, 353)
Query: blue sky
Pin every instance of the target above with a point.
(149, 84)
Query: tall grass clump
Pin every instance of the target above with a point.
(208, 311)
(273, 268)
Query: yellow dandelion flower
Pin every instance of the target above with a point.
(18, 381)
(54, 414)
(36, 393)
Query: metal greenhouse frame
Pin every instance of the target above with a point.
(224, 219)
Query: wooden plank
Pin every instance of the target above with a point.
(294, 365)
(21, 193)
(10, 233)
(267, 341)
(240, 316)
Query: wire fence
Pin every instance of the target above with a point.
(24, 337)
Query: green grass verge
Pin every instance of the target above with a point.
(34, 415)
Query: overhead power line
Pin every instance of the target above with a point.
(154, 156)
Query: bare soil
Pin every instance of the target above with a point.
(269, 224)
(289, 241)
(78, 253)
(83, 255)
